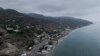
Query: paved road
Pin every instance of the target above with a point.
(36, 48)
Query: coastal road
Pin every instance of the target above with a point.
(36, 48)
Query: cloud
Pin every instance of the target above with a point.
(75, 8)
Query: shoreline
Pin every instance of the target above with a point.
(56, 42)
(59, 41)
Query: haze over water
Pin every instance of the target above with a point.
(81, 42)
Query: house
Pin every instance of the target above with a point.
(44, 51)
(30, 48)
(50, 46)
(24, 54)
(16, 30)
(8, 28)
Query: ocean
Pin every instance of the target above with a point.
(84, 41)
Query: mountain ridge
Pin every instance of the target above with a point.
(20, 30)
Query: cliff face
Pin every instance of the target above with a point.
(19, 31)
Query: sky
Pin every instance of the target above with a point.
(85, 9)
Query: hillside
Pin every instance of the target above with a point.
(18, 30)
(33, 19)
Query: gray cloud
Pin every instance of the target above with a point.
(75, 8)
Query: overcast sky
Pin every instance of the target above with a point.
(86, 9)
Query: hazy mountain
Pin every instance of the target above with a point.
(72, 22)
(37, 19)
(20, 29)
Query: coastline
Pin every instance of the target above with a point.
(56, 42)
(59, 41)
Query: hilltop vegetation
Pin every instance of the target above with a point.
(13, 17)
